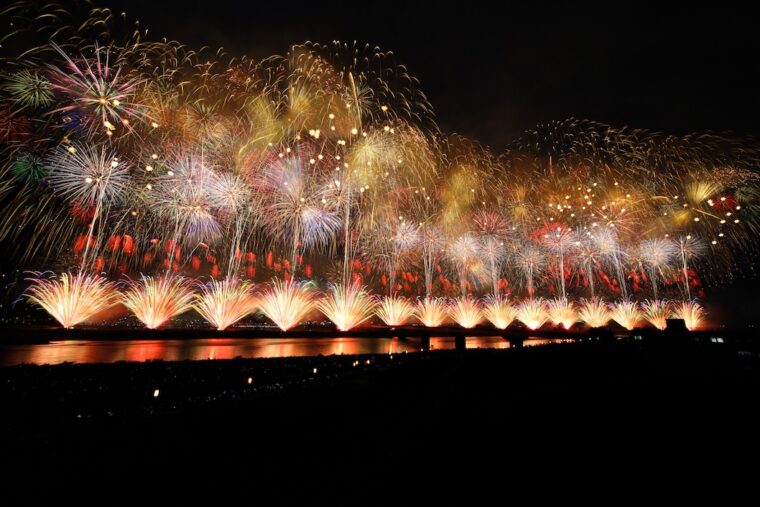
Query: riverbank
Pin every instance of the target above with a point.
(343, 427)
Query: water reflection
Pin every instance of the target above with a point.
(93, 351)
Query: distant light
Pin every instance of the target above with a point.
(250, 380)
(315, 371)
(155, 393)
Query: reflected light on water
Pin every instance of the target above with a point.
(94, 351)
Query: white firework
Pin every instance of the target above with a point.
(88, 175)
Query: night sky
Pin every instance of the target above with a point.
(492, 72)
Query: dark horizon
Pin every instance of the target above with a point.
(492, 73)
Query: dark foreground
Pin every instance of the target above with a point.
(478, 426)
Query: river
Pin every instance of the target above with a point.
(109, 351)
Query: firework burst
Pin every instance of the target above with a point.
(466, 311)
(689, 248)
(395, 311)
(692, 314)
(562, 312)
(657, 312)
(88, 175)
(28, 89)
(594, 312)
(286, 303)
(532, 313)
(432, 312)
(29, 167)
(560, 240)
(223, 303)
(156, 300)
(499, 312)
(299, 205)
(530, 261)
(626, 313)
(347, 306)
(72, 298)
(95, 89)
(657, 254)
(465, 254)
